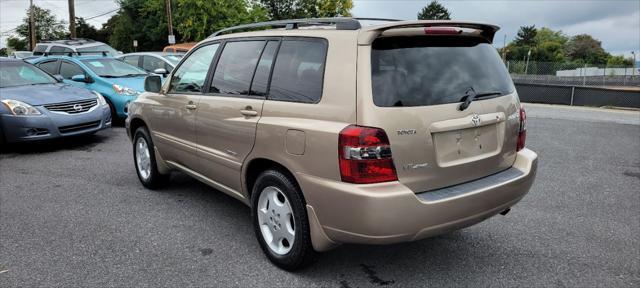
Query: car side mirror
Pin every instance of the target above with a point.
(79, 78)
(82, 78)
(153, 83)
(59, 78)
(161, 71)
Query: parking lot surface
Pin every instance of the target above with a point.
(72, 213)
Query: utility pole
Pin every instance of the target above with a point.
(32, 27)
(504, 48)
(72, 19)
(170, 22)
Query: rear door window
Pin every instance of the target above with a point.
(299, 71)
(50, 67)
(235, 68)
(68, 70)
(261, 77)
(421, 71)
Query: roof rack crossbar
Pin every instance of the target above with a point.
(341, 24)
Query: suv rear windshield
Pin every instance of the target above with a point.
(421, 71)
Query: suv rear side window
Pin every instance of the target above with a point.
(421, 71)
(40, 49)
(58, 50)
(299, 71)
(236, 66)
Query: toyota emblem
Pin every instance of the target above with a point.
(77, 107)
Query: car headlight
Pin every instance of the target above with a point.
(123, 90)
(101, 100)
(20, 108)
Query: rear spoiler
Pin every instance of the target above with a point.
(368, 34)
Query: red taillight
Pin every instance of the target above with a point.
(365, 155)
(441, 31)
(522, 132)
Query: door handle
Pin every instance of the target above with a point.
(191, 106)
(249, 112)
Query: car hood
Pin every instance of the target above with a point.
(46, 93)
(135, 83)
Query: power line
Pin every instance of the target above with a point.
(62, 22)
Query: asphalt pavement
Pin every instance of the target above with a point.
(73, 214)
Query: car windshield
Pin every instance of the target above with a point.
(421, 71)
(173, 59)
(113, 68)
(20, 73)
(100, 48)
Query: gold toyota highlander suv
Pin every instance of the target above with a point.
(334, 131)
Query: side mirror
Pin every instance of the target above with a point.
(161, 71)
(79, 78)
(59, 78)
(152, 83)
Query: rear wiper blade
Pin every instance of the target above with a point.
(472, 95)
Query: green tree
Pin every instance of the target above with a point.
(85, 30)
(586, 48)
(3, 52)
(200, 18)
(526, 36)
(293, 9)
(334, 8)
(17, 43)
(142, 20)
(434, 11)
(104, 33)
(47, 26)
(619, 61)
(545, 34)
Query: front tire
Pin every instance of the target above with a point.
(144, 159)
(280, 221)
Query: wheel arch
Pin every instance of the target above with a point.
(136, 123)
(258, 165)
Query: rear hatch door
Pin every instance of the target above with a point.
(413, 87)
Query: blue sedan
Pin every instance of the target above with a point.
(119, 82)
(36, 106)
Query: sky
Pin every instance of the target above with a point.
(614, 22)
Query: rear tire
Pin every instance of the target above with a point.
(144, 160)
(280, 221)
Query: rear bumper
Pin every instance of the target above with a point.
(389, 212)
(51, 125)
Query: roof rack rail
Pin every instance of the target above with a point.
(71, 41)
(341, 24)
(376, 19)
(70, 54)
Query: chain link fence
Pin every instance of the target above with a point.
(574, 74)
(576, 84)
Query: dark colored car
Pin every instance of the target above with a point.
(36, 106)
